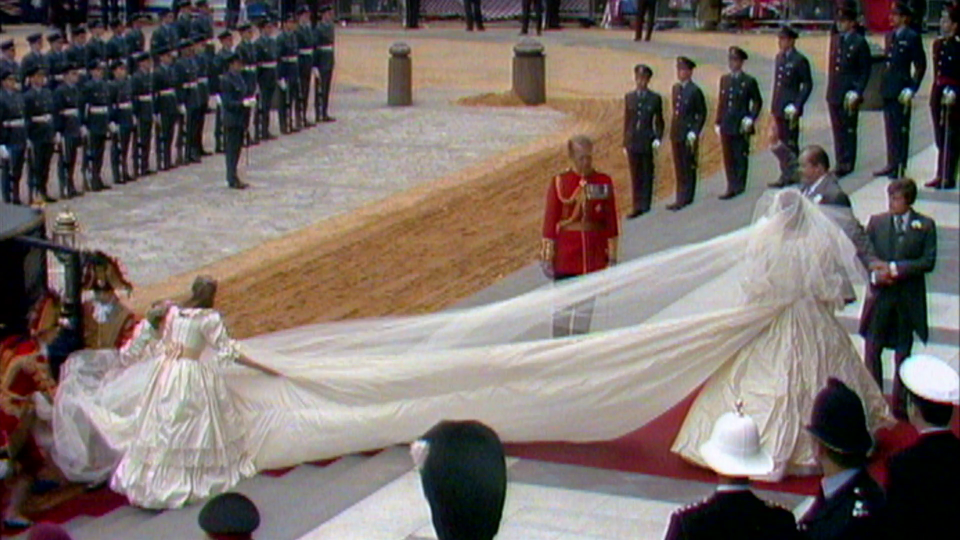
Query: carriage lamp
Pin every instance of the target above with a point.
(66, 229)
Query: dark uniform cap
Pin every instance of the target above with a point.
(325, 8)
(33, 70)
(229, 513)
(117, 64)
(788, 32)
(262, 21)
(244, 27)
(644, 70)
(737, 52)
(185, 43)
(161, 51)
(141, 57)
(79, 30)
(95, 64)
(54, 36)
(33, 38)
(96, 24)
(303, 9)
(6, 44)
(901, 8)
(683, 61)
(202, 3)
(847, 13)
(224, 35)
(116, 24)
(233, 57)
(4, 73)
(838, 420)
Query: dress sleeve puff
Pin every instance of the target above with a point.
(134, 350)
(216, 334)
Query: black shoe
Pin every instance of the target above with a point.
(728, 195)
(127, 179)
(205, 153)
(675, 206)
(328, 119)
(636, 213)
(886, 171)
(239, 185)
(46, 198)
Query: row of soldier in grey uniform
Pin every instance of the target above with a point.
(81, 96)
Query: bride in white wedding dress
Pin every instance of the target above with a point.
(662, 326)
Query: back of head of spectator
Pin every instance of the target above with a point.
(933, 390)
(464, 475)
(229, 516)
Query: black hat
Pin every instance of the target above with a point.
(117, 64)
(244, 27)
(70, 66)
(683, 61)
(33, 38)
(33, 70)
(737, 52)
(161, 51)
(185, 43)
(325, 8)
(902, 8)
(262, 21)
(96, 24)
(229, 513)
(53, 37)
(201, 3)
(117, 23)
(141, 57)
(643, 69)
(788, 32)
(224, 35)
(77, 30)
(303, 9)
(6, 44)
(95, 64)
(464, 479)
(233, 57)
(4, 73)
(847, 12)
(838, 420)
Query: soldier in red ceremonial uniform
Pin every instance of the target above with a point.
(580, 229)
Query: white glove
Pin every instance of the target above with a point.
(716, 129)
(655, 144)
(850, 98)
(949, 97)
(283, 84)
(4, 153)
(57, 139)
(691, 137)
(790, 111)
(746, 125)
(156, 119)
(181, 109)
(112, 126)
(316, 72)
(249, 102)
(216, 100)
(906, 96)
(84, 131)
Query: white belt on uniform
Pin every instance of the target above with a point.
(203, 80)
(14, 123)
(326, 47)
(268, 65)
(126, 105)
(98, 109)
(306, 51)
(43, 118)
(291, 58)
(249, 68)
(70, 112)
(168, 92)
(190, 84)
(145, 97)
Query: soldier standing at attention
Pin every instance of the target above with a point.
(8, 56)
(188, 97)
(77, 52)
(642, 133)
(248, 53)
(33, 58)
(217, 68)
(41, 132)
(117, 46)
(96, 119)
(68, 100)
(849, 70)
(96, 48)
(135, 40)
(738, 108)
(13, 135)
(165, 102)
(56, 60)
(943, 100)
(324, 59)
(202, 59)
(122, 121)
(143, 110)
(305, 47)
(164, 36)
(268, 53)
(289, 82)
(905, 67)
(236, 104)
(580, 230)
(689, 115)
(791, 89)
(203, 20)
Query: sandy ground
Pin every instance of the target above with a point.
(428, 248)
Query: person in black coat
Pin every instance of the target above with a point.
(13, 136)
(944, 105)
(791, 90)
(733, 511)
(237, 103)
(896, 305)
(642, 133)
(850, 64)
(689, 115)
(738, 108)
(39, 110)
(850, 503)
(464, 475)
(922, 494)
(906, 64)
(122, 122)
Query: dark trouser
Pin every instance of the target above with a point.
(873, 358)
(685, 163)
(946, 130)
(411, 17)
(553, 13)
(218, 130)
(736, 154)
(68, 160)
(233, 13)
(232, 144)
(641, 175)
(844, 123)
(198, 129)
(321, 98)
(165, 132)
(538, 22)
(574, 319)
(263, 109)
(304, 95)
(12, 171)
(896, 119)
(291, 103)
(97, 144)
(180, 139)
(473, 14)
(646, 12)
(40, 166)
(141, 158)
(118, 154)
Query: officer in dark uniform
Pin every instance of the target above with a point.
(944, 106)
(791, 89)
(248, 53)
(96, 47)
(122, 122)
(96, 119)
(77, 51)
(41, 131)
(203, 54)
(229, 515)
(850, 503)
(202, 20)
(689, 115)
(268, 55)
(217, 68)
(143, 109)
(733, 511)
(905, 67)
(305, 48)
(850, 62)
(13, 135)
(8, 56)
(289, 82)
(166, 107)
(738, 108)
(135, 40)
(189, 106)
(184, 22)
(56, 60)
(236, 104)
(166, 35)
(117, 46)
(324, 60)
(68, 99)
(33, 58)
(642, 133)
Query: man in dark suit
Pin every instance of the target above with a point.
(850, 502)
(905, 67)
(689, 115)
(646, 12)
(944, 107)
(850, 62)
(237, 104)
(733, 511)
(464, 475)
(922, 494)
(738, 108)
(642, 133)
(791, 89)
(896, 304)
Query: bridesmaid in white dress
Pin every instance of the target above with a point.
(189, 442)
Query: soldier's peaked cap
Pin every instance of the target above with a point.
(6, 44)
(643, 69)
(141, 56)
(54, 36)
(33, 38)
(737, 52)
(244, 27)
(902, 8)
(303, 9)
(117, 64)
(77, 30)
(33, 70)
(4, 73)
(788, 31)
(224, 35)
(847, 13)
(683, 61)
(325, 8)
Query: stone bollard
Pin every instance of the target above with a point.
(529, 72)
(400, 76)
(871, 94)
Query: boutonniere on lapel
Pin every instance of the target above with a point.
(817, 198)
(916, 224)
